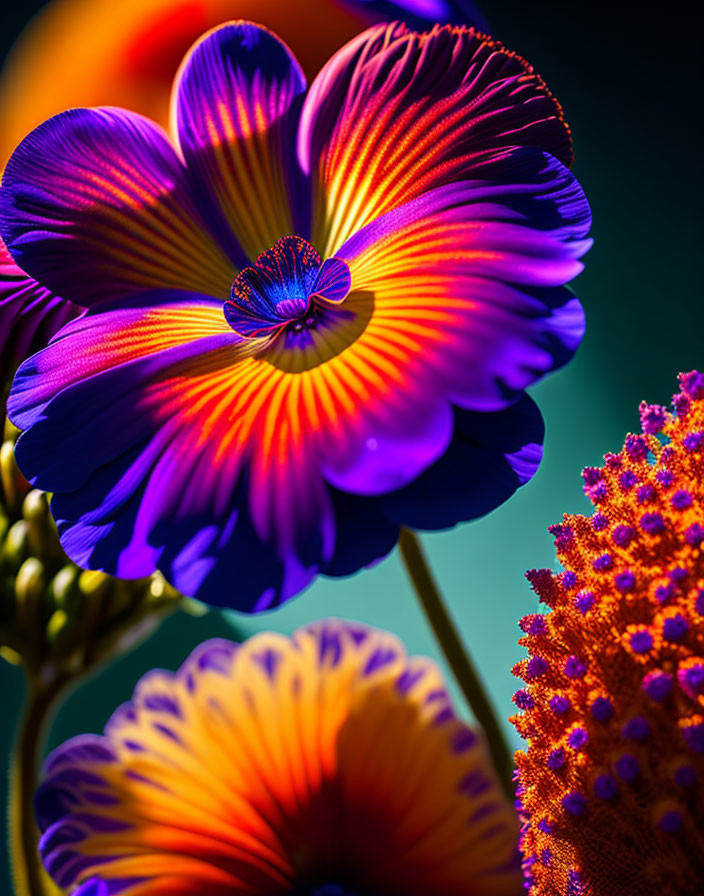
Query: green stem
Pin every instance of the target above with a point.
(456, 655)
(28, 875)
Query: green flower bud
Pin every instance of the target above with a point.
(8, 475)
(159, 592)
(59, 630)
(11, 656)
(52, 613)
(15, 548)
(10, 432)
(29, 589)
(64, 591)
(41, 529)
(29, 581)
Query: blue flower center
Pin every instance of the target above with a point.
(287, 290)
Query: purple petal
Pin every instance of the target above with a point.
(92, 887)
(364, 533)
(334, 281)
(29, 315)
(236, 105)
(424, 13)
(95, 204)
(395, 114)
(393, 444)
(491, 455)
(139, 483)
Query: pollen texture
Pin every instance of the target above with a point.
(611, 785)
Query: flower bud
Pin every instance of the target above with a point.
(59, 630)
(51, 611)
(15, 548)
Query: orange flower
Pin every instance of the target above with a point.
(328, 764)
(613, 710)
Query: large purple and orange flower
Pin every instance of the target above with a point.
(326, 764)
(132, 59)
(312, 319)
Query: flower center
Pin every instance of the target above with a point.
(287, 291)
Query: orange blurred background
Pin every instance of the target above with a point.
(126, 52)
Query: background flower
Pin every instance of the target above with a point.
(277, 765)
(613, 710)
(308, 434)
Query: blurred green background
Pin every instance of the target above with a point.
(630, 87)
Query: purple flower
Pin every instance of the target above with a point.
(309, 325)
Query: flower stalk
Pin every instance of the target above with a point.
(28, 875)
(458, 659)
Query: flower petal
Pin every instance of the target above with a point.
(490, 456)
(95, 204)
(235, 110)
(29, 315)
(395, 114)
(92, 887)
(364, 533)
(334, 281)
(163, 454)
(467, 282)
(256, 769)
(154, 322)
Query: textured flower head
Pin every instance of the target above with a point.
(613, 708)
(329, 763)
(299, 320)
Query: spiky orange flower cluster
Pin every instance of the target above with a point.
(612, 782)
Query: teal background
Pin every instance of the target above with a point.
(631, 92)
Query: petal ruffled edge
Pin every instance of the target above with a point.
(491, 456)
(395, 114)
